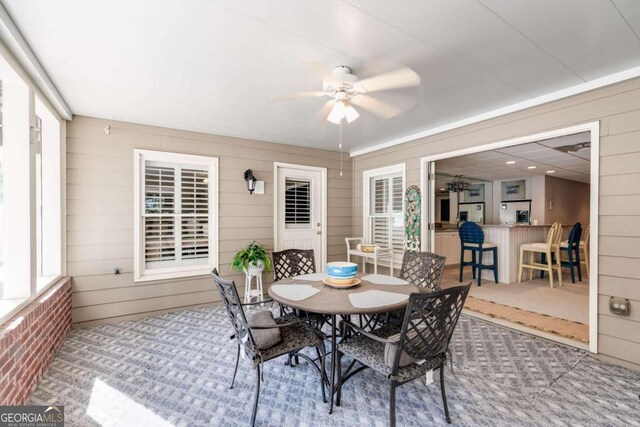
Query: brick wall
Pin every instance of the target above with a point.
(30, 340)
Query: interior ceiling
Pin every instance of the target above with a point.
(210, 66)
(492, 165)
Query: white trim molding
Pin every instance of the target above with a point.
(608, 80)
(19, 47)
(141, 274)
(323, 197)
(594, 129)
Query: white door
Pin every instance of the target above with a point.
(299, 211)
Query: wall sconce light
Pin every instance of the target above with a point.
(251, 180)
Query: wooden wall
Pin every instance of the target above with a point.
(617, 107)
(100, 213)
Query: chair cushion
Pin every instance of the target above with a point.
(372, 353)
(264, 338)
(484, 245)
(390, 351)
(534, 246)
(293, 338)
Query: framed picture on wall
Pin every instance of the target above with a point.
(474, 193)
(514, 190)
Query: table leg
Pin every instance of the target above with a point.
(334, 355)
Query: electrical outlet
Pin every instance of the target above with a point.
(619, 306)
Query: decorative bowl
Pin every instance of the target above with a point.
(342, 270)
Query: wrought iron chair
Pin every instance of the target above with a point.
(421, 345)
(295, 335)
(293, 262)
(423, 269)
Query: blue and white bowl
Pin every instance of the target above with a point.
(342, 270)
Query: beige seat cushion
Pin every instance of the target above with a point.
(534, 247)
(390, 351)
(264, 338)
(484, 245)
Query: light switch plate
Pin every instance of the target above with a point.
(259, 187)
(619, 306)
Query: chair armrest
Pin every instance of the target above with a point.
(285, 324)
(256, 303)
(368, 334)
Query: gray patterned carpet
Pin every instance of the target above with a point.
(174, 369)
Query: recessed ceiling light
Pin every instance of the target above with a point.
(531, 167)
(510, 162)
(442, 189)
(551, 171)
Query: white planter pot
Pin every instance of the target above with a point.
(255, 269)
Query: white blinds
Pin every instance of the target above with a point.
(176, 215)
(385, 212)
(297, 202)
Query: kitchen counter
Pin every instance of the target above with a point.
(509, 237)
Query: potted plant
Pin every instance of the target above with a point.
(252, 258)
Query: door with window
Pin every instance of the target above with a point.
(300, 223)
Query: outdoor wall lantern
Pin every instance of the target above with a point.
(251, 180)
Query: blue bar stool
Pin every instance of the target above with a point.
(472, 239)
(572, 248)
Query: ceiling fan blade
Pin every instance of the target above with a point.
(322, 115)
(375, 106)
(299, 95)
(402, 77)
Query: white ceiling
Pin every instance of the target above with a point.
(211, 65)
(492, 165)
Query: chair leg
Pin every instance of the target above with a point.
(297, 359)
(235, 371)
(392, 404)
(461, 263)
(444, 394)
(480, 268)
(256, 396)
(586, 260)
(543, 260)
(473, 264)
(550, 267)
(571, 265)
(521, 265)
(495, 264)
(578, 263)
(559, 267)
(339, 392)
(322, 352)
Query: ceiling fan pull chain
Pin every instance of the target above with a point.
(340, 146)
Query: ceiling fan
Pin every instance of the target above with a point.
(346, 91)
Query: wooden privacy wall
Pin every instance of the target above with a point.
(617, 107)
(100, 213)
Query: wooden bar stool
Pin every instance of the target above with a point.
(551, 246)
(472, 239)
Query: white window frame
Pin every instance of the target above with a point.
(366, 195)
(140, 273)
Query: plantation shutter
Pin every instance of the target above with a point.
(385, 213)
(297, 204)
(176, 215)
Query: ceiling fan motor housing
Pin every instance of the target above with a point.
(341, 80)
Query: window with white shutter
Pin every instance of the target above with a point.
(176, 215)
(384, 195)
(297, 204)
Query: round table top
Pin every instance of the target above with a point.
(336, 301)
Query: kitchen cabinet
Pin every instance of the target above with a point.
(448, 245)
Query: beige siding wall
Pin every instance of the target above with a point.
(100, 213)
(617, 108)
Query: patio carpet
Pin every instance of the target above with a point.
(175, 369)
